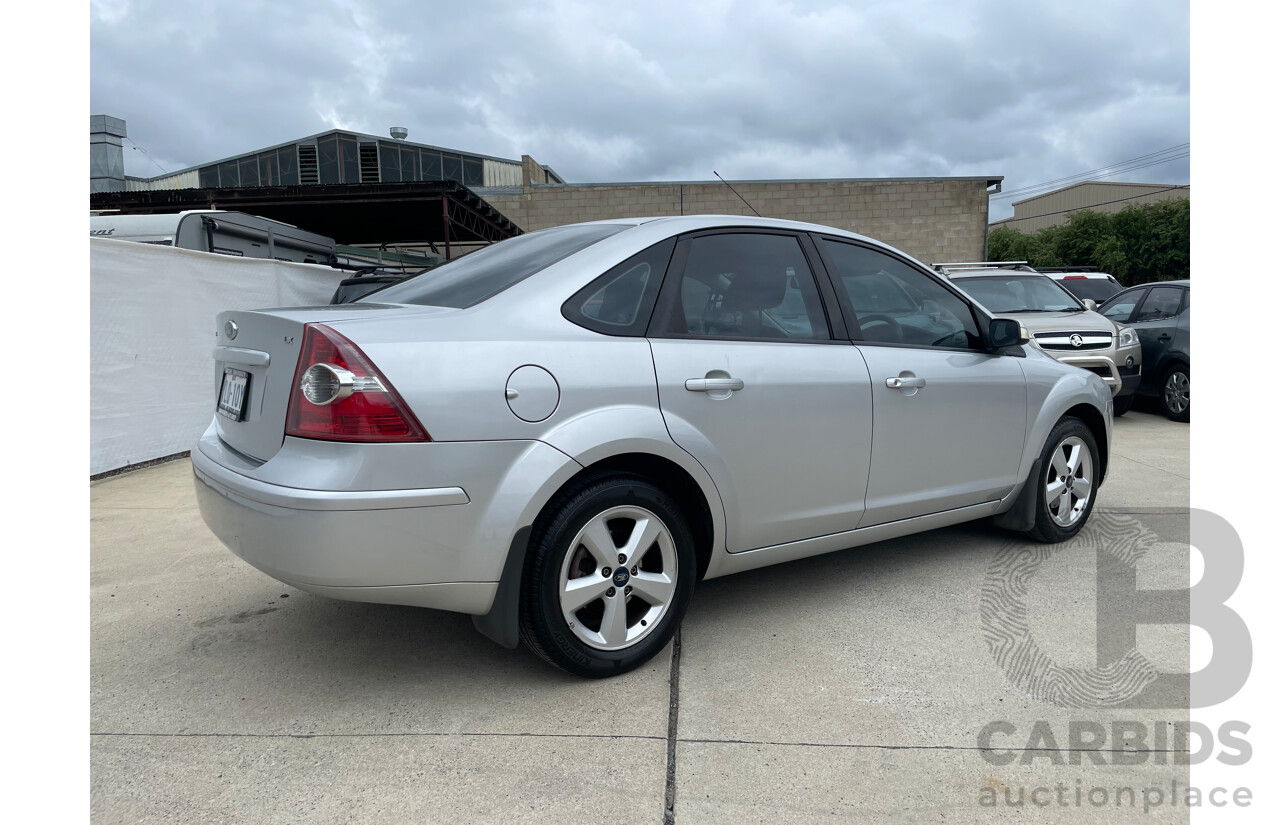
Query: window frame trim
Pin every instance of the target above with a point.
(646, 309)
(980, 318)
(669, 301)
(1182, 303)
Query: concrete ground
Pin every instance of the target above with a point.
(852, 687)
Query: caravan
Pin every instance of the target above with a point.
(221, 232)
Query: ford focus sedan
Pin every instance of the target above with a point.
(562, 433)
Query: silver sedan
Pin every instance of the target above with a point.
(562, 433)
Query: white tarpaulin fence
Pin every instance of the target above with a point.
(152, 310)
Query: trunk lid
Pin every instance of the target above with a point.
(261, 349)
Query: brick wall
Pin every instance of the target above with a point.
(933, 220)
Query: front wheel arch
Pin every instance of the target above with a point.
(1061, 514)
(1097, 424)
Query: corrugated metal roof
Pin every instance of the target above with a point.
(316, 136)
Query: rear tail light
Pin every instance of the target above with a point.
(338, 395)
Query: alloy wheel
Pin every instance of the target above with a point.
(618, 578)
(1177, 392)
(1069, 481)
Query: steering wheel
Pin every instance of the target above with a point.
(892, 333)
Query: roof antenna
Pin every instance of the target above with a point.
(735, 191)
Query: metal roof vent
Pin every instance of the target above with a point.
(399, 132)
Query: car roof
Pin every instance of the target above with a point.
(1006, 272)
(1184, 283)
(687, 223)
(680, 224)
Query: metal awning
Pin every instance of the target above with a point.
(436, 213)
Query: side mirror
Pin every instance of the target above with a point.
(1090, 304)
(1006, 332)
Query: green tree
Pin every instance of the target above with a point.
(1141, 243)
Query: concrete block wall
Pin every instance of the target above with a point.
(933, 220)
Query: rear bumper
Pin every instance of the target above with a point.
(441, 546)
(334, 552)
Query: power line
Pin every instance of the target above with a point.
(144, 152)
(1027, 188)
(1094, 205)
(1122, 171)
(1184, 147)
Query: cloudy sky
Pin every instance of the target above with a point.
(626, 91)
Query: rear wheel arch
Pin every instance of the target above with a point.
(501, 623)
(663, 474)
(555, 616)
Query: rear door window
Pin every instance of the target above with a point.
(745, 285)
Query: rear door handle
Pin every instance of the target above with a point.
(713, 384)
(903, 383)
(1164, 338)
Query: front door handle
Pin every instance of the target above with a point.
(1164, 338)
(904, 383)
(713, 384)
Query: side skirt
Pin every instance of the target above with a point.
(727, 563)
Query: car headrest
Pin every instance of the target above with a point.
(754, 289)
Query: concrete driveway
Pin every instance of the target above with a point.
(860, 686)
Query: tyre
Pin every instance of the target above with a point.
(1175, 392)
(1067, 483)
(1122, 404)
(609, 574)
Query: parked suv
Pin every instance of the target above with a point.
(1084, 282)
(1058, 322)
(1160, 314)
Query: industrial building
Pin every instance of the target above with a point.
(366, 190)
(1055, 208)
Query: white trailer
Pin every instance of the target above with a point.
(218, 231)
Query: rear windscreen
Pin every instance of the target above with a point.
(482, 274)
(1096, 288)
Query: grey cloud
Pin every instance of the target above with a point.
(605, 91)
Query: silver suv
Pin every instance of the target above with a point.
(1059, 323)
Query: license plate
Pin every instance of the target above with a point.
(235, 388)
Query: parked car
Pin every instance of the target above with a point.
(561, 433)
(1060, 324)
(1084, 282)
(1160, 313)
